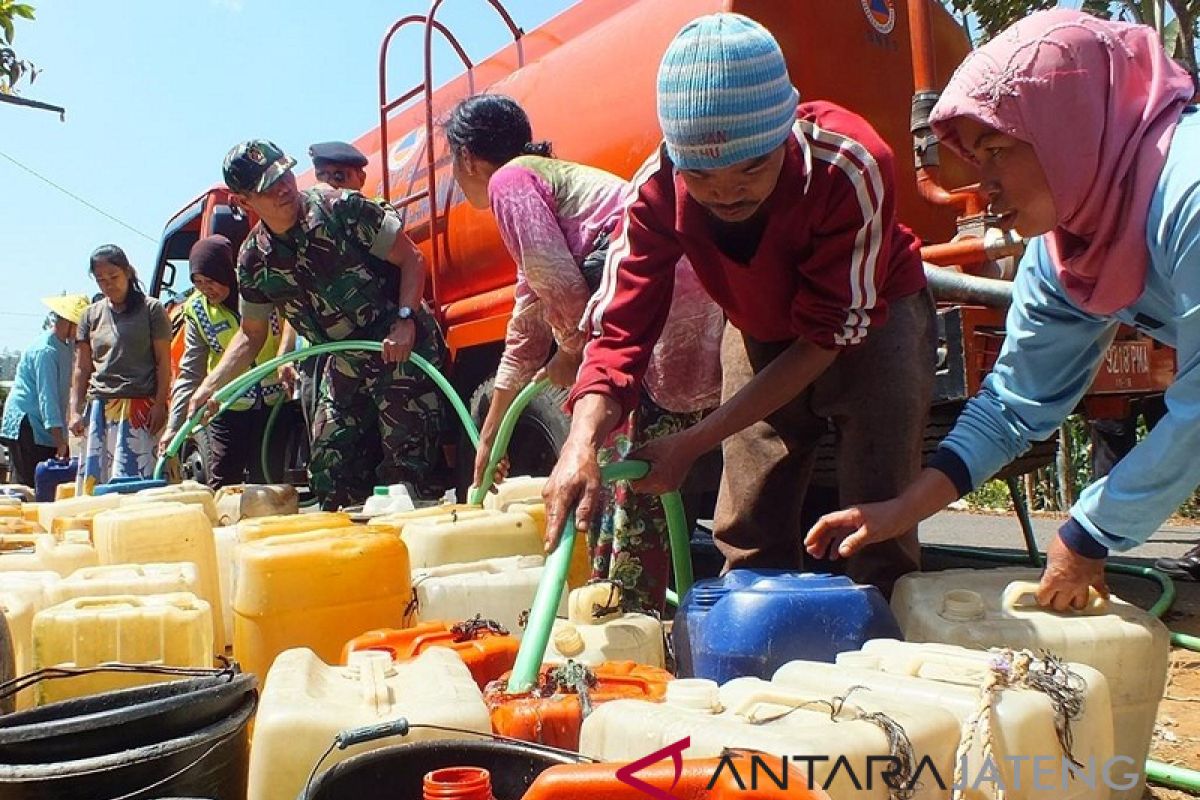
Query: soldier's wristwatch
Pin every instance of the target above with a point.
(404, 312)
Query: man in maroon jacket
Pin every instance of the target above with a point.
(787, 212)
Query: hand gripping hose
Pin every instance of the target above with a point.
(243, 383)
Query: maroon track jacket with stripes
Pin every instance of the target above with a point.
(830, 259)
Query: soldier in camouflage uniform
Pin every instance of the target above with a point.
(339, 267)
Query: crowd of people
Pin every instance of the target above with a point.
(751, 288)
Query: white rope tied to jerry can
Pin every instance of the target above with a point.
(1020, 669)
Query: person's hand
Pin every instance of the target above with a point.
(77, 426)
(573, 487)
(562, 369)
(843, 533)
(481, 464)
(287, 377)
(62, 451)
(203, 398)
(158, 417)
(670, 458)
(1067, 578)
(398, 344)
(164, 441)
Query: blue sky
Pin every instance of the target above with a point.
(157, 91)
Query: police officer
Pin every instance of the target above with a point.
(339, 164)
(339, 267)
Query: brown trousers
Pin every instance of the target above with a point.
(876, 397)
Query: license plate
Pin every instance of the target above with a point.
(1126, 367)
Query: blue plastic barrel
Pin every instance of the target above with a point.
(128, 485)
(751, 622)
(48, 475)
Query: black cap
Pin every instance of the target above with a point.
(336, 153)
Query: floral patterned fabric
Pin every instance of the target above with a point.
(118, 443)
(631, 546)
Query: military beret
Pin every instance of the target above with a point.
(336, 153)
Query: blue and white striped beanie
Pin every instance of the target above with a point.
(724, 94)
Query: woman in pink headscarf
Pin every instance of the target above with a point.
(1085, 138)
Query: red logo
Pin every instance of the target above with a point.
(675, 751)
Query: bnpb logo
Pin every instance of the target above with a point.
(881, 14)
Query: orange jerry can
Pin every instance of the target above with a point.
(736, 776)
(553, 711)
(487, 649)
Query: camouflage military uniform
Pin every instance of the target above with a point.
(374, 422)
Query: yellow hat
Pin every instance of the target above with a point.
(68, 306)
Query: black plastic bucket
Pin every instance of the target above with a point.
(110, 722)
(396, 772)
(210, 763)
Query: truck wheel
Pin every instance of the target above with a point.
(193, 460)
(539, 436)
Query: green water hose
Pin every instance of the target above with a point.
(229, 393)
(264, 450)
(1156, 771)
(554, 578)
(677, 532)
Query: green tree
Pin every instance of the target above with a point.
(12, 67)
(989, 17)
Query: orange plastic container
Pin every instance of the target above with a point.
(488, 651)
(552, 713)
(255, 528)
(735, 777)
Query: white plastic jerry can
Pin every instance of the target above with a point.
(133, 579)
(1011, 737)
(596, 631)
(225, 539)
(499, 589)
(458, 537)
(44, 552)
(519, 489)
(164, 630)
(995, 608)
(305, 703)
(74, 506)
(844, 745)
(159, 532)
(189, 492)
(394, 499)
(22, 595)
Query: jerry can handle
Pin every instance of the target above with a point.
(369, 733)
(1017, 593)
(749, 704)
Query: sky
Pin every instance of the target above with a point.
(156, 93)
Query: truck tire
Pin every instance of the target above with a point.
(539, 436)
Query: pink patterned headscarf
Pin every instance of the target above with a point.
(1099, 102)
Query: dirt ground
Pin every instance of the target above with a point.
(1177, 734)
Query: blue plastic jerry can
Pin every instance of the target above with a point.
(753, 621)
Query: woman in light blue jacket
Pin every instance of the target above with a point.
(1085, 137)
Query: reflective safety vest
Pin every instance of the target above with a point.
(217, 324)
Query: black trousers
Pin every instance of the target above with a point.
(235, 447)
(25, 454)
